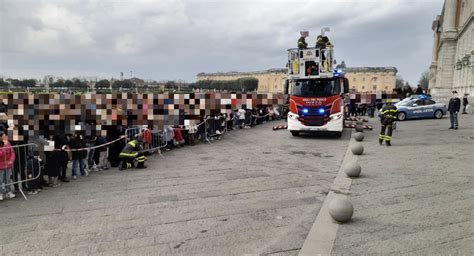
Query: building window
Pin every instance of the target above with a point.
(363, 79)
(374, 83)
(353, 79)
(386, 87)
(363, 87)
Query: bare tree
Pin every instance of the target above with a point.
(424, 79)
(399, 82)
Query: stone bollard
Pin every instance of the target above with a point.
(341, 209)
(352, 169)
(359, 136)
(360, 122)
(359, 128)
(357, 148)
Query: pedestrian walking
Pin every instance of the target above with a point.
(465, 103)
(387, 115)
(453, 107)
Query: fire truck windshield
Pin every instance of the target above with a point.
(317, 88)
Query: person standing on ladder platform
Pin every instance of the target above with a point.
(302, 41)
(131, 152)
(388, 115)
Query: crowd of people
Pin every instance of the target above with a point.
(60, 158)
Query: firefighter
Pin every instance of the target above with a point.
(320, 44)
(302, 43)
(387, 116)
(131, 152)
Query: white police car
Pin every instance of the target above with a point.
(420, 106)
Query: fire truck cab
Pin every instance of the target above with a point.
(317, 92)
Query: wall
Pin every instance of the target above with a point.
(453, 43)
(271, 80)
(372, 80)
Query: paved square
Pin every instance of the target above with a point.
(256, 191)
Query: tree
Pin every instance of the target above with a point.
(3, 83)
(424, 80)
(78, 84)
(399, 82)
(171, 85)
(102, 84)
(125, 84)
(242, 84)
(16, 83)
(248, 84)
(68, 84)
(59, 84)
(23, 83)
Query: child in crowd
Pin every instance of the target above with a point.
(7, 158)
(147, 139)
(34, 168)
(103, 163)
(169, 137)
(178, 137)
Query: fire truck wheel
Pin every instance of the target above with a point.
(295, 133)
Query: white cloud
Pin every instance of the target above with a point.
(127, 44)
(166, 39)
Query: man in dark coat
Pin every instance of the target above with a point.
(419, 90)
(453, 107)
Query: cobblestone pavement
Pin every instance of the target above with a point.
(256, 191)
(416, 197)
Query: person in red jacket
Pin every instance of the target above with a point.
(147, 140)
(7, 158)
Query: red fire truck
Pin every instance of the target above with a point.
(316, 91)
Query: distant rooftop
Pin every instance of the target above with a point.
(284, 70)
(236, 73)
(370, 69)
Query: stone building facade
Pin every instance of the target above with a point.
(371, 79)
(452, 66)
(361, 79)
(271, 80)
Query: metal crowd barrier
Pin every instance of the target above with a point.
(153, 141)
(19, 168)
(211, 127)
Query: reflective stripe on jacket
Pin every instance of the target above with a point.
(389, 113)
(131, 149)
